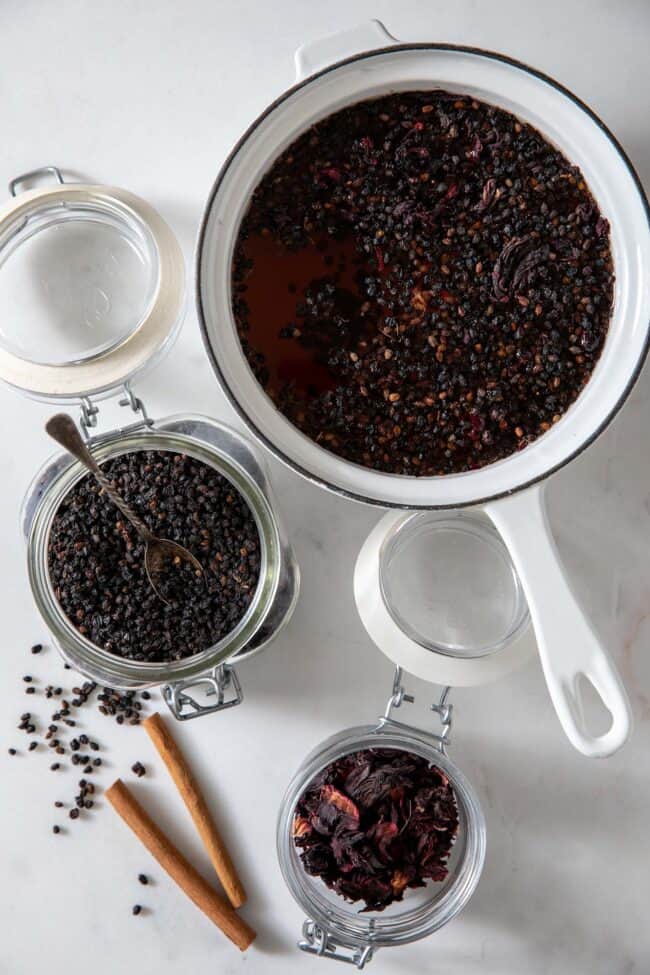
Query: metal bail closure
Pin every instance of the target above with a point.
(222, 683)
(92, 286)
(317, 941)
(443, 709)
(89, 411)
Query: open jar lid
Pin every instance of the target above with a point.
(92, 285)
(439, 595)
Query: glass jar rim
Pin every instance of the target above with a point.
(118, 671)
(342, 920)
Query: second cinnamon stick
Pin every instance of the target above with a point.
(193, 798)
(170, 859)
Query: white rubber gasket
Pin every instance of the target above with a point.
(429, 665)
(112, 368)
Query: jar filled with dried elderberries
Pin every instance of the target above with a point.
(95, 281)
(381, 838)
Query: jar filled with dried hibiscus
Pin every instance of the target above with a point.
(381, 838)
(93, 282)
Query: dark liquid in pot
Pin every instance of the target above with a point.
(422, 283)
(282, 277)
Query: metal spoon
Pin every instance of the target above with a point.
(157, 551)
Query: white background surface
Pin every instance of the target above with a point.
(151, 96)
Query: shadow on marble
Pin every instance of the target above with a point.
(540, 802)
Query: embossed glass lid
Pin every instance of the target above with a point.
(92, 285)
(448, 582)
(438, 594)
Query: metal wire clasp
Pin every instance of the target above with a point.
(88, 419)
(222, 683)
(33, 175)
(443, 709)
(317, 941)
(90, 410)
(399, 695)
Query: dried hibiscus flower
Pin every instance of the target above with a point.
(375, 822)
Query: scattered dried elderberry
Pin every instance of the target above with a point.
(375, 823)
(126, 702)
(122, 705)
(423, 283)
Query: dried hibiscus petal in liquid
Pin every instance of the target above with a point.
(376, 822)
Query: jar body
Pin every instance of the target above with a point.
(332, 922)
(226, 451)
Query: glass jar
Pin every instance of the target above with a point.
(274, 599)
(337, 929)
(96, 281)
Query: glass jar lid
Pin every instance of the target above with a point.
(92, 285)
(448, 581)
(439, 595)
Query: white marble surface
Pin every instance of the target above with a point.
(151, 96)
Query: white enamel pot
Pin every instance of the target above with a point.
(331, 75)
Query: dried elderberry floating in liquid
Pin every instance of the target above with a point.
(423, 283)
(96, 562)
(375, 823)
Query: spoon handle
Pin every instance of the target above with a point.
(120, 503)
(63, 429)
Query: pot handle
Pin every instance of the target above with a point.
(313, 56)
(568, 645)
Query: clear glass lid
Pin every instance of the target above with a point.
(82, 277)
(448, 582)
(439, 595)
(91, 286)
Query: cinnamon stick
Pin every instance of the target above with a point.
(193, 798)
(183, 873)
